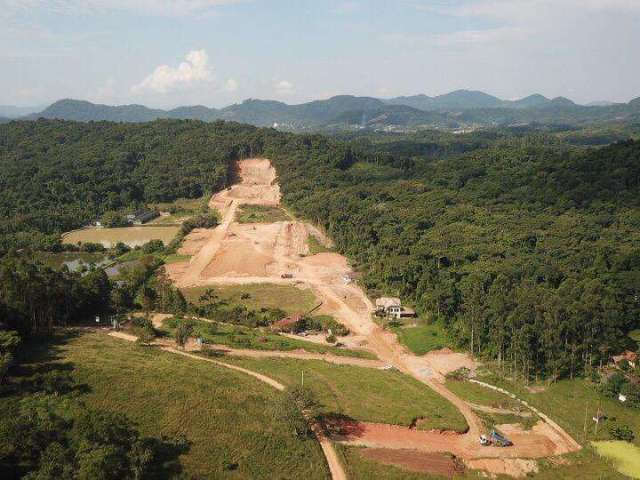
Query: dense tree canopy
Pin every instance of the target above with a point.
(528, 250)
(56, 175)
(526, 246)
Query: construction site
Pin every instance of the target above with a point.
(236, 254)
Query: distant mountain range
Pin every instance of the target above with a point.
(459, 109)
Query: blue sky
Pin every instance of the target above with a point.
(216, 52)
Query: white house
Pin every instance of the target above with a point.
(392, 307)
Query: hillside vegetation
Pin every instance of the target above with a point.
(527, 249)
(56, 176)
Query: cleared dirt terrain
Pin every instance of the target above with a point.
(258, 253)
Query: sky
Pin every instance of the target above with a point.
(165, 53)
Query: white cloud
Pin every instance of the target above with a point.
(194, 71)
(283, 87)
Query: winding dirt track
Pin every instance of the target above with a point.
(262, 253)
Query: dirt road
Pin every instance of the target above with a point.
(259, 253)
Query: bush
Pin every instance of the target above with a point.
(207, 220)
(621, 432)
(153, 246)
(459, 374)
(331, 338)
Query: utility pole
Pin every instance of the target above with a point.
(584, 436)
(302, 378)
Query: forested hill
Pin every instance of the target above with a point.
(455, 110)
(528, 250)
(56, 176)
(525, 247)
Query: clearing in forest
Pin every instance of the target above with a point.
(279, 253)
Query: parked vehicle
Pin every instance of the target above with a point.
(500, 440)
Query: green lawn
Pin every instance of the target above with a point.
(422, 338)
(226, 416)
(260, 295)
(237, 336)
(261, 214)
(364, 394)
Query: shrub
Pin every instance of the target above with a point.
(153, 246)
(459, 374)
(621, 432)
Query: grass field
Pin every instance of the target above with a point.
(131, 236)
(226, 416)
(261, 214)
(258, 295)
(237, 336)
(568, 402)
(423, 338)
(625, 457)
(474, 393)
(364, 394)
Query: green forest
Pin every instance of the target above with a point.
(523, 242)
(56, 175)
(527, 248)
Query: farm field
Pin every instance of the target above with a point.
(369, 395)
(227, 417)
(288, 298)
(131, 236)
